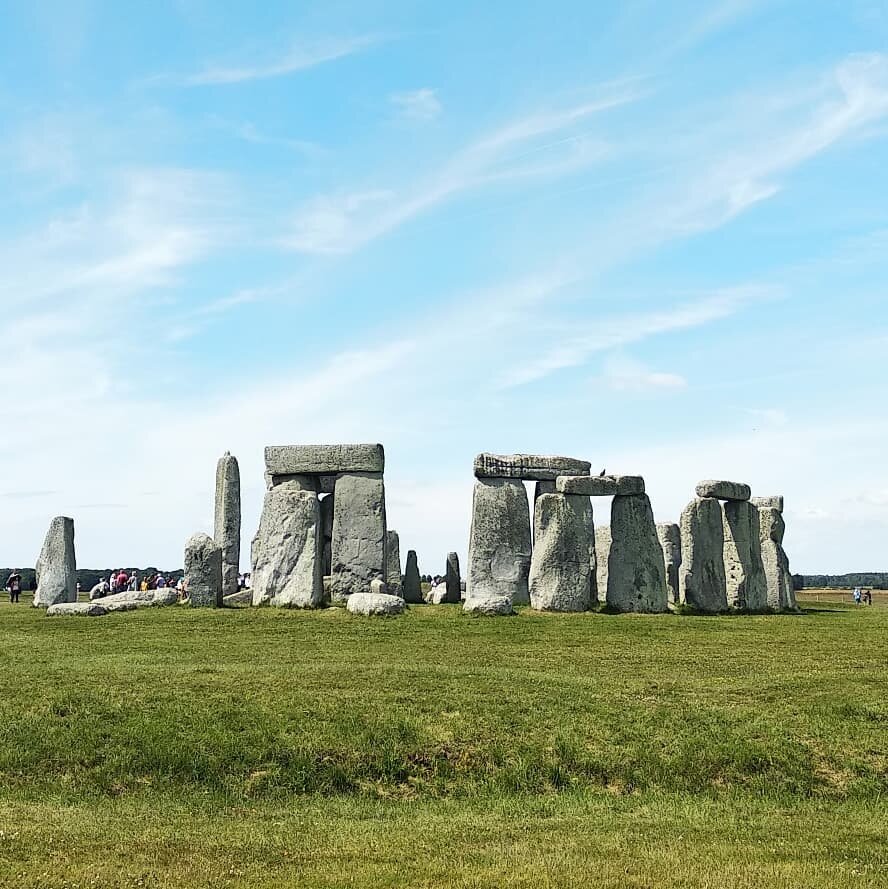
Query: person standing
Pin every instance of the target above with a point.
(14, 585)
(857, 595)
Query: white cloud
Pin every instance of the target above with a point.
(627, 375)
(419, 105)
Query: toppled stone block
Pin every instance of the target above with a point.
(79, 609)
(493, 606)
(528, 467)
(722, 490)
(375, 604)
(636, 574)
(57, 565)
(773, 502)
(324, 459)
(600, 485)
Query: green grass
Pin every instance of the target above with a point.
(258, 747)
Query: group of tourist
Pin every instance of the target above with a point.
(863, 597)
(120, 582)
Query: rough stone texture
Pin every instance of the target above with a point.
(778, 580)
(452, 586)
(529, 467)
(241, 597)
(670, 542)
(57, 565)
(411, 589)
(129, 600)
(325, 459)
(326, 484)
(375, 604)
(393, 563)
(564, 544)
(499, 543)
(327, 505)
(636, 574)
(602, 554)
(701, 577)
(491, 606)
(437, 595)
(722, 490)
(773, 502)
(745, 584)
(287, 556)
(600, 485)
(227, 526)
(203, 571)
(297, 482)
(378, 587)
(81, 609)
(358, 547)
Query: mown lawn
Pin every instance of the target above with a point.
(257, 747)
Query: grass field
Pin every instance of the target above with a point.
(259, 747)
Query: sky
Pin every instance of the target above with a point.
(654, 236)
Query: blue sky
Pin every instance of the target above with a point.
(652, 235)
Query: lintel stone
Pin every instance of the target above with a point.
(528, 467)
(773, 502)
(324, 459)
(722, 490)
(600, 485)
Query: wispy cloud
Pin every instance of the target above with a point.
(419, 105)
(628, 375)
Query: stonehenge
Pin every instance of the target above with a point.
(636, 573)
(452, 579)
(670, 541)
(411, 588)
(701, 577)
(375, 604)
(779, 591)
(203, 571)
(393, 563)
(745, 583)
(227, 520)
(57, 565)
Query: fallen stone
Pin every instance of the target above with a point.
(375, 604)
(600, 485)
(411, 587)
(227, 523)
(57, 565)
(602, 554)
(529, 467)
(325, 459)
(701, 577)
(379, 587)
(393, 563)
(670, 542)
(129, 600)
(287, 558)
(358, 546)
(80, 609)
(745, 584)
(780, 592)
(452, 590)
(203, 571)
(492, 606)
(722, 490)
(636, 574)
(774, 502)
(241, 597)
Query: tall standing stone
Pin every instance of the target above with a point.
(412, 586)
(57, 565)
(499, 545)
(203, 571)
(561, 564)
(602, 554)
(452, 579)
(227, 526)
(701, 577)
(636, 574)
(745, 584)
(287, 553)
(327, 504)
(778, 580)
(670, 542)
(393, 563)
(358, 548)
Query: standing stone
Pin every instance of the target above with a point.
(358, 547)
(670, 542)
(452, 579)
(203, 571)
(561, 564)
(745, 584)
(499, 544)
(701, 577)
(636, 574)
(412, 585)
(287, 555)
(327, 504)
(57, 565)
(602, 554)
(778, 580)
(393, 563)
(227, 526)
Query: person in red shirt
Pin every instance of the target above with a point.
(122, 580)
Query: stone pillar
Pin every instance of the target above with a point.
(227, 526)
(563, 552)
(57, 565)
(701, 577)
(203, 571)
(287, 551)
(327, 505)
(358, 546)
(499, 545)
(411, 589)
(393, 563)
(745, 584)
(778, 580)
(602, 554)
(636, 574)
(452, 579)
(670, 542)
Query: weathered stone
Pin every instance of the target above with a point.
(564, 543)
(241, 597)
(745, 584)
(287, 558)
(378, 587)
(358, 548)
(327, 505)
(701, 577)
(393, 563)
(375, 604)
(452, 586)
(327, 484)
(129, 600)
(325, 459)
(670, 542)
(636, 574)
(79, 609)
(411, 588)
(499, 543)
(600, 485)
(437, 595)
(602, 554)
(491, 606)
(529, 467)
(773, 502)
(722, 490)
(227, 526)
(778, 580)
(57, 565)
(203, 571)
(297, 482)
